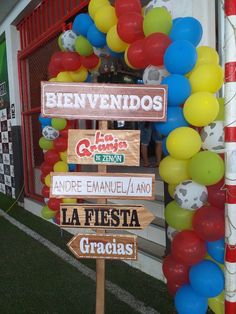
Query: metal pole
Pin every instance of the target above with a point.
(230, 156)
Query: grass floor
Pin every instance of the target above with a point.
(34, 280)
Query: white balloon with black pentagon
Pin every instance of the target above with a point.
(101, 52)
(50, 133)
(158, 3)
(68, 40)
(171, 232)
(212, 136)
(190, 195)
(153, 75)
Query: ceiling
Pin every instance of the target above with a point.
(6, 7)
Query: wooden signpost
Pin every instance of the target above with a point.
(102, 185)
(104, 246)
(105, 216)
(103, 147)
(112, 147)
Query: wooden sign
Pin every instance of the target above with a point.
(105, 216)
(110, 147)
(104, 246)
(102, 185)
(104, 101)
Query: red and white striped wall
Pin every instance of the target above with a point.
(230, 156)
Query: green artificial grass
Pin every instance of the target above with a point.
(34, 280)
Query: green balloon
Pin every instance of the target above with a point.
(45, 144)
(58, 123)
(47, 213)
(221, 114)
(83, 46)
(157, 20)
(206, 168)
(178, 217)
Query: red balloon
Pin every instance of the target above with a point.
(175, 271)
(53, 70)
(208, 223)
(46, 168)
(217, 194)
(45, 191)
(155, 47)
(173, 287)
(135, 54)
(56, 58)
(90, 62)
(60, 144)
(64, 133)
(188, 248)
(51, 156)
(54, 203)
(71, 61)
(130, 27)
(124, 6)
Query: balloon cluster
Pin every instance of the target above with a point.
(54, 144)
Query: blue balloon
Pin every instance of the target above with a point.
(187, 301)
(176, 20)
(187, 28)
(115, 54)
(45, 121)
(89, 78)
(72, 167)
(95, 37)
(206, 279)
(216, 249)
(180, 57)
(164, 148)
(175, 119)
(179, 89)
(81, 24)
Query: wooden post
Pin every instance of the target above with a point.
(230, 157)
(100, 263)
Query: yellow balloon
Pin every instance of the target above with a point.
(53, 79)
(221, 114)
(114, 42)
(201, 108)
(207, 54)
(64, 77)
(69, 200)
(79, 75)
(63, 156)
(95, 5)
(173, 171)
(47, 180)
(60, 166)
(207, 77)
(171, 189)
(216, 304)
(105, 18)
(183, 143)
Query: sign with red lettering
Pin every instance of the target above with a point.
(105, 216)
(104, 101)
(102, 185)
(104, 246)
(110, 147)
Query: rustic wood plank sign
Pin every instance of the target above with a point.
(104, 246)
(100, 185)
(110, 147)
(105, 216)
(104, 101)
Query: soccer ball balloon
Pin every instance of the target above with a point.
(190, 195)
(50, 133)
(212, 136)
(158, 3)
(153, 75)
(68, 40)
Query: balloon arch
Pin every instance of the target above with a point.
(166, 51)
